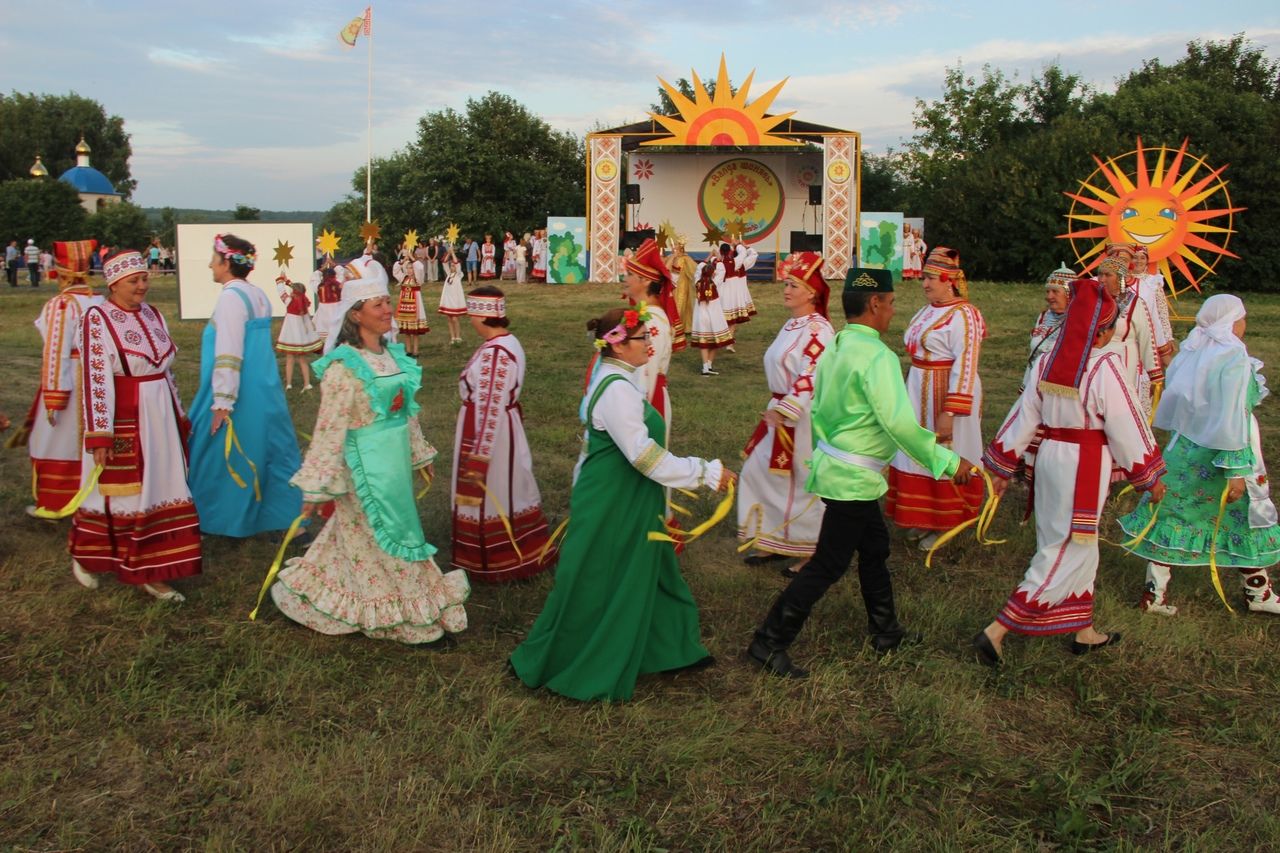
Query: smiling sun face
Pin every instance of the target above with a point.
(1164, 209)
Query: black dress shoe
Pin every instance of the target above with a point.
(775, 661)
(1079, 648)
(885, 643)
(762, 559)
(985, 649)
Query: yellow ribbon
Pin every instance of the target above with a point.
(275, 565)
(233, 440)
(76, 499)
(1213, 548)
(546, 549)
(983, 520)
(1157, 389)
(675, 507)
(785, 438)
(18, 439)
(686, 537)
(427, 487)
(751, 543)
(502, 516)
(302, 435)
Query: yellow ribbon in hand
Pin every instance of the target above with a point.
(983, 520)
(76, 499)
(275, 565)
(686, 537)
(546, 549)
(1213, 548)
(751, 543)
(233, 440)
(427, 487)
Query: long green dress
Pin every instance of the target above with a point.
(1183, 533)
(619, 607)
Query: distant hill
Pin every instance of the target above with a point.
(188, 214)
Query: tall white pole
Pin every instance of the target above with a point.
(368, 167)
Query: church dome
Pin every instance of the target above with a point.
(83, 147)
(87, 179)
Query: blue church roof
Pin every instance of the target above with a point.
(87, 179)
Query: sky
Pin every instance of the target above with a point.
(259, 103)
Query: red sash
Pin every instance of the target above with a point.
(122, 473)
(1084, 506)
(782, 454)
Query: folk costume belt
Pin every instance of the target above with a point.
(1084, 504)
(931, 365)
(869, 462)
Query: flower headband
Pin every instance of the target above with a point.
(236, 256)
(630, 320)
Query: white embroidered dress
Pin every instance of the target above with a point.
(773, 506)
(654, 372)
(735, 295)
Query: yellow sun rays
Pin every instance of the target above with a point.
(727, 118)
(1164, 207)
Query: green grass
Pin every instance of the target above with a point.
(129, 724)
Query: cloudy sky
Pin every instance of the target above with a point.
(258, 102)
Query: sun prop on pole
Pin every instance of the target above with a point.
(1167, 207)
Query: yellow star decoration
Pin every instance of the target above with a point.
(712, 235)
(328, 242)
(452, 233)
(736, 229)
(284, 253)
(370, 231)
(666, 234)
(410, 239)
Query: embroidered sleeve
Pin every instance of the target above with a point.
(966, 330)
(421, 451)
(58, 323)
(884, 391)
(99, 385)
(798, 400)
(1144, 332)
(168, 371)
(620, 412)
(494, 375)
(1018, 430)
(229, 320)
(324, 473)
(1133, 448)
(1163, 326)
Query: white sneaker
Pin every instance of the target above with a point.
(306, 388)
(928, 541)
(1267, 603)
(1160, 609)
(708, 370)
(85, 579)
(288, 387)
(169, 595)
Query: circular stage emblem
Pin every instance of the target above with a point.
(742, 190)
(838, 172)
(606, 170)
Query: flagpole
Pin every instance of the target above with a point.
(368, 159)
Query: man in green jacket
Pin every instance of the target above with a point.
(861, 417)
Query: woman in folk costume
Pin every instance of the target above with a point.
(685, 271)
(619, 607)
(911, 257)
(509, 256)
(326, 282)
(1135, 337)
(138, 522)
(735, 296)
(411, 313)
(493, 483)
(539, 250)
(453, 301)
(1084, 405)
(245, 489)
(944, 340)
(775, 512)
(53, 427)
(488, 258)
(298, 336)
(1044, 334)
(648, 281)
(1151, 288)
(370, 569)
(708, 330)
(1208, 402)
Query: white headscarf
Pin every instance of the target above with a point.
(372, 283)
(1206, 386)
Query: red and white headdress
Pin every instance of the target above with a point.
(1091, 308)
(487, 306)
(123, 264)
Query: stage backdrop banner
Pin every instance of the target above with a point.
(197, 292)
(695, 192)
(567, 250)
(881, 244)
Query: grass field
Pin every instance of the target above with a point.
(129, 724)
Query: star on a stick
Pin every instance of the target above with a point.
(284, 253)
(452, 233)
(411, 238)
(736, 229)
(370, 231)
(328, 242)
(666, 234)
(713, 235)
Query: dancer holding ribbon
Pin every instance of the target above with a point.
(860, 416)
(135, 518)
(1090, 420)
(619, 607)
(370, 569)
(241, 462)
(499, 531)
(1215, 459)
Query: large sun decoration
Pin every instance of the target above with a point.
(1167, 208)
(725, 119)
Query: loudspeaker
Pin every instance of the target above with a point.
(802, 241)
(633, 193)
(633, 239)
(815, 193)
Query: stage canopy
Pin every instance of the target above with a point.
(723, 165)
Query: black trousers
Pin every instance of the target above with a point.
(848, 527)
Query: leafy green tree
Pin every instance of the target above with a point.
(167, 230)
(883, 185)
(121, 225)
(51, 125)
(245, 213)
(40, 209)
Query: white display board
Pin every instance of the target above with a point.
(197, 292)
